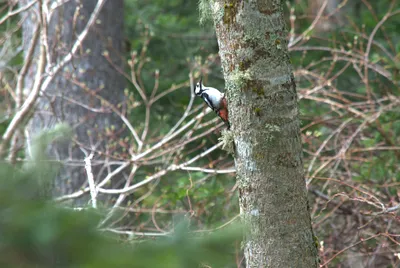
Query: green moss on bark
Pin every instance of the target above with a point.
(230, 11)
(227, 140)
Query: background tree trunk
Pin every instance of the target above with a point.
(72, 96)
(264, 116)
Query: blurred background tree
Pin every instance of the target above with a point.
(75, 94)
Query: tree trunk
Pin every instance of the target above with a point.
(262, 102)
(73, 95)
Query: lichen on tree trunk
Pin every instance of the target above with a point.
(262, 102)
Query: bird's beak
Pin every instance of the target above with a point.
(201, 79)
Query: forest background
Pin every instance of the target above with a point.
(346, 58)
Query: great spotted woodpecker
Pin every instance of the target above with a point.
(214, 99)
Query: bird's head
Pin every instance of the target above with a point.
(199, 88)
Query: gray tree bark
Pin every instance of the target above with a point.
(264, 116)
(73, 95)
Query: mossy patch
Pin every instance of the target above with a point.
(205, 12)
(259, 155)
(238, 80)
(258, 90)
(244, 65)
(228, 143)
(230, 11)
